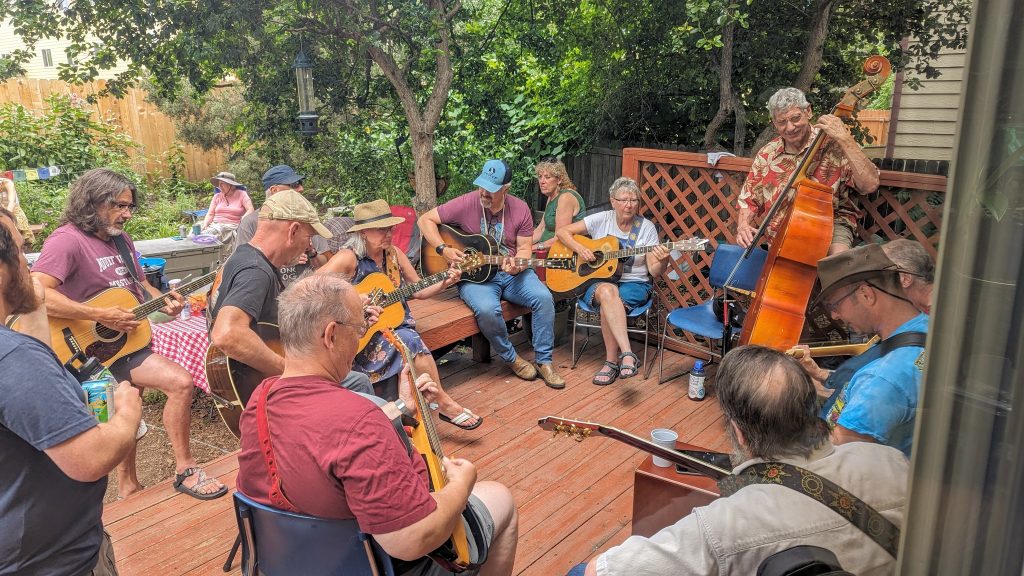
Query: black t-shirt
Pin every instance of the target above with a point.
(250, 283)
(49, 523)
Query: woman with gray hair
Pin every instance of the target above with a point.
(917, 271)
(840, 164)
(369, 251)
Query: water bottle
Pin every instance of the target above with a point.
(186, 312)
(696, 391)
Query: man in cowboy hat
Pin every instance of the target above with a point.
(871, 397)
(278, 179)
(251, 282)
(491, 211)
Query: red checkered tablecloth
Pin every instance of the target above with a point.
(184, 342)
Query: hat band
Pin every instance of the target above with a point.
(372, 218)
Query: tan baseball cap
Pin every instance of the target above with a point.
(292, 206)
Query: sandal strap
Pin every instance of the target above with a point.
(179, 479)
(463, 417)
(636, 359)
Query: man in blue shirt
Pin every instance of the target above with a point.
(872, 397)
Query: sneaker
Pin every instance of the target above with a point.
(142, 431)
(522, 368)
(550, 377)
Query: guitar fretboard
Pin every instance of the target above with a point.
(147, 308)
(408, 290)
(691, 246)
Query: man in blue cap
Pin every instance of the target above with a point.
(491, 211)
(278, 179)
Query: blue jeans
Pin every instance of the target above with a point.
(524, 289)
(578, 570)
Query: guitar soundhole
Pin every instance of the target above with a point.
(107, 334)
(589, 268)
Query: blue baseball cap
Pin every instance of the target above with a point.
(495, 174)
(281, 174)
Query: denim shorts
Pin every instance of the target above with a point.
(633, 294)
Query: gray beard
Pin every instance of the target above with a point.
(114, 231)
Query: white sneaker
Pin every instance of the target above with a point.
(143, 429)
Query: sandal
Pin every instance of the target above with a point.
(195, 491)
(608, 373)
(632, 370)
(462, 418)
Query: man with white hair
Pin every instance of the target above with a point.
(840, 164)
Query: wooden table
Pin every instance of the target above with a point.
(661, 496)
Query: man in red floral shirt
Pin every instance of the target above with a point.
(841, 164)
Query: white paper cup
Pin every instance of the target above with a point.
(666, 439)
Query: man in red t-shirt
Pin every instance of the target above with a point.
(337, 453)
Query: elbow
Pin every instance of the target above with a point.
(221, 337)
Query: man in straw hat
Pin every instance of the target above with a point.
(251, 282)
(369, 250)
(871, 397)
(491, 211)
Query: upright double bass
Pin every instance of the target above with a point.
(776, 314)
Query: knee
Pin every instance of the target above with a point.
(500, 503)
(180, 382)
(606, 293)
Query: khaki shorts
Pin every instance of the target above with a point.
(842, 234)
(427, 567)
(105, 563)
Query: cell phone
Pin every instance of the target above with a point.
(718, 459)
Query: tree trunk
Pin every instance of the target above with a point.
(725, 91)
(426, 183)
(813, 54)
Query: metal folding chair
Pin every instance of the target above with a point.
(638, 321)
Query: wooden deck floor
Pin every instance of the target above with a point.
(574, 499)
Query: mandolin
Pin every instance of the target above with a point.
(453, 555)
(574, 273)
(483, 249)
(81, 339)
(579, 430)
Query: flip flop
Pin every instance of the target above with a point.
(633, 370)
(607, 374)
(194, 491)
(462, 418)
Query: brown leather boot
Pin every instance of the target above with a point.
(550, 377)
(522, 368)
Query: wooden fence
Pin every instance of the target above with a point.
(138, 118)
(686, 197)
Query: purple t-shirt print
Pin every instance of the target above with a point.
(86, 265)
(466, 212)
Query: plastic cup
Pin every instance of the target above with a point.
(666, 439)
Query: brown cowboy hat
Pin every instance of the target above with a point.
(376, 214)
(866, 263)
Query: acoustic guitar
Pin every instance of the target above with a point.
(483, 248)
(579, 430)
(453, 555)
(576, 274)
(232, 382)
(81, 339)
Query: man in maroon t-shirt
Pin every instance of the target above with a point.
(491, 211)
(79, 260)
(338, 455)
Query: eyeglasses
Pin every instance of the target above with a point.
(122, 207)
(833, 306)
(627, 200)
(361, 327)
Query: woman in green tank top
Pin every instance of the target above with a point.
(564, 205)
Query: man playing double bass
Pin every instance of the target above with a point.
(841, 164)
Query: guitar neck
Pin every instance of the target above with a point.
(147, 308)
(495, 259)
(627, 252)
(580, 430)
(405, 292)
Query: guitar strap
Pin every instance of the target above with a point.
(856, 511)
(842, 375)
(391, 269)
(630, 242)
(129, 262)
(277, 496)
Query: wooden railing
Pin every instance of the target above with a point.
(684, 196)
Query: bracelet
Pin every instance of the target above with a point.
(402, 408)
(440, 249)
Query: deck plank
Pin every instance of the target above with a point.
(574, 498)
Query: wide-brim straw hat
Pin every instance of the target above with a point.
(227, 177)
(866, 263)
(376, 214)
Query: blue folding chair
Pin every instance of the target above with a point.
(592, 320)
(701, 320)
(279, 543)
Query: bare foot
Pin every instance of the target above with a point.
(126, 490)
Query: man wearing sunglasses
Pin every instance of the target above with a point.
(871, 397)
(90, 252)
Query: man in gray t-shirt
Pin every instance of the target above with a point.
(54, 455)
(276, 179)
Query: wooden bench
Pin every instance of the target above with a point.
(36, 228)
(445, 319)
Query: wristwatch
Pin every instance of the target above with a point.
(440, 249)
(401, 407)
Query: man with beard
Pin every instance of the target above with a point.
(871, 397)
(771, 416)
(80, 259)
(54, 455)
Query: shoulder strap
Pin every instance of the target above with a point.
(126, 256)
(856, 511)
(277, 496)
(903, 339)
